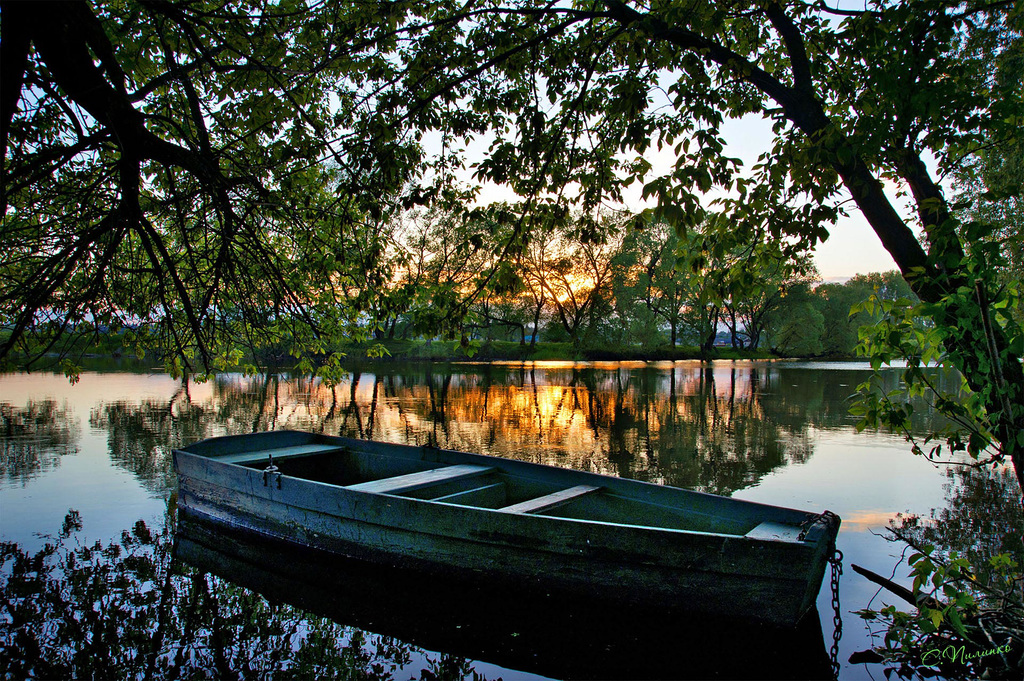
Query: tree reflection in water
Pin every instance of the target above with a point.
(126, 609)
(983, 517)
(141, 436)
(715, 428)
(982, 522)
(33, 438)
(718, 428)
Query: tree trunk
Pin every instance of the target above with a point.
(733, 331)
(708, 346)
(536, 323)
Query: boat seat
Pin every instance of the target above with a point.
(400, 484)
(278, 453)
(550, 501)
(774, 531)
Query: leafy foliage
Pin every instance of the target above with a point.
(800, 328)
(165, 175)
(580, 97)
(967, 583)
(949, 637)
(912, 333)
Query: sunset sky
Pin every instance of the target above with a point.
(852, 248)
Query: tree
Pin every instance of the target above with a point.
(835, 301)
(538, 297)
(115, 109)
(677, 281)
(646, 274)
(991, 183)
(839, 328)
(798, 328)
(165, 174)
(817, 319)
(577, 94)
(573, 263)
(756, 298)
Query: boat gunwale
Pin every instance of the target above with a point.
(334, 489)
(342, 442)
(503, 464)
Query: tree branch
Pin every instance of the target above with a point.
(803, 109)
(794, 42)
(14, 47)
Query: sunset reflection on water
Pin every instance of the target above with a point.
(714, 427)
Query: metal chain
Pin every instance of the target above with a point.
(836, 561)
(827, 516)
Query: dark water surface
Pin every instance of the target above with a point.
(773, 432)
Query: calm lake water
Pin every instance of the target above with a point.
(773, 432)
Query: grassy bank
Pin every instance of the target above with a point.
(73, 346)
(110, 347)
(404, 350)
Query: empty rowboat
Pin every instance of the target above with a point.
(513, 522)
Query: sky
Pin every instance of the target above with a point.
(852, 247)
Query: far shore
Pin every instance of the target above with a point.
(395, 351)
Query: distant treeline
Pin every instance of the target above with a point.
(602, 289)
(801, 319)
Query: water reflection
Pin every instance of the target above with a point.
(141, 436)
(125, 609)
(721, 427)
(34, 437)
(715, 428)
(521, 630)
(983, 517)
(204, 601)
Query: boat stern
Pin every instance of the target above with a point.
(820, 530)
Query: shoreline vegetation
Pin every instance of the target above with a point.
(496, 350)
(108, 348)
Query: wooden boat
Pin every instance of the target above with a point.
(513, 522)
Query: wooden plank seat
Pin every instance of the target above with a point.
(401, 484)
(278, 453)
(774, 531)
(550, 501)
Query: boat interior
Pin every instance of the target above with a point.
(406, 472)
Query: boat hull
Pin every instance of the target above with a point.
(716, 573)
(540, 633)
